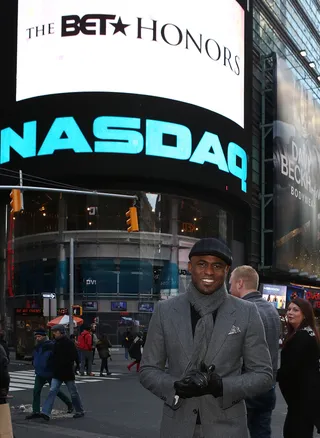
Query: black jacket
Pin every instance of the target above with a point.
(4, 374)
(299, 375)
(6, 348)
(135, 349)
(64, 356)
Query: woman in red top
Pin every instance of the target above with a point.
(299, 375)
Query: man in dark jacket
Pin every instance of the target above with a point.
(4, 344)
(244, 282)
(43, 367)
(4, 376)
(63, 359)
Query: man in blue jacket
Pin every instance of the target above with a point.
(42, 362)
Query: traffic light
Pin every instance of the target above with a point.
(16, 202)
(132, 221)
(77, 310)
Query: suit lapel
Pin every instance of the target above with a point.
(182, 324)
(225, 320)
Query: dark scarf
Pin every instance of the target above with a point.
(205, 305)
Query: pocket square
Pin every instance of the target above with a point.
(234, 330)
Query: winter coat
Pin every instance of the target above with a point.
(103, 349)
(135, 349)
(85, 341)
(64, 356)
(6, 348)
(4, 373)
(43, 359)
(127, 340)
(299, 374)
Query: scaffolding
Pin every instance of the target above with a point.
(266, 127)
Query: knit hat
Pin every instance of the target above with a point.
(59, 328)
(40, 331)
(214, 247)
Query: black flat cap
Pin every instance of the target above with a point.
(212, 246)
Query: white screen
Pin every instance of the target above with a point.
(172, 59)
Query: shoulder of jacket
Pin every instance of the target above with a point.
(307, 330)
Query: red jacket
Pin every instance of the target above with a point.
(85, 341)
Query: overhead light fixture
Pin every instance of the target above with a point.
(318, 77)
(303, 53)
(313, 277)
(303, 274)
(312, 64)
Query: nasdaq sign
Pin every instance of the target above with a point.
(127, 135)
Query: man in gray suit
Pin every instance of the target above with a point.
(207, 336)
(244, 282)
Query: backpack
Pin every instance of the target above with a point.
(82, 341)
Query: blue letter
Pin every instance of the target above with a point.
(235, 151)
(25, 146)
(154, 140)
(203, 152)
(75, 139)
(129, 142)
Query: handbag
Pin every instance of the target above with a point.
(5, 421)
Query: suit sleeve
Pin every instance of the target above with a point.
(258, 374)
(152, 372)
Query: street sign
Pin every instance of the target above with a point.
(50, 295)
(50, 307)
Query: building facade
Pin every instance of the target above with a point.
(154, 123)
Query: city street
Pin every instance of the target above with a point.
(117, 407)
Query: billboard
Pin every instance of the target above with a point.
(275, 294)
(129, 95)
(159, 48)
(296, 157)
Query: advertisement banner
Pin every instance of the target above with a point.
(160, 48)
(296, 157)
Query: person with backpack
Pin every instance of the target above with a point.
(42, 362)
(85, 349)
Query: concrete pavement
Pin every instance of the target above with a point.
(114, 409)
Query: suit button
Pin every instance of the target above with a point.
(195, 411)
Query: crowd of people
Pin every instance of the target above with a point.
(210, 355)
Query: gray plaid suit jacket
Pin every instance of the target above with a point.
(239, 351)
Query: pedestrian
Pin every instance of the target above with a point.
(135, 352)
(4, 344)
(77, 366)
(244, 282)
(206, 335)
(43, 367)
(103, 349)
(4, 376)
(299, 376)
(64, 356)
(94, 341)
(85, 349)
(126, 343)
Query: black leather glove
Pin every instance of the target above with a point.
(201, 382)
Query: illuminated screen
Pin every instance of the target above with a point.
(119, 305)
(164, 49)
(275, 294)
(146, 307)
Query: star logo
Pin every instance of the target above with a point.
(119, 27)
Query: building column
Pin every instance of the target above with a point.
(62, 276)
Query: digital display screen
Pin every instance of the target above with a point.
(88, 306)
(275, 294)
(165, 49)
(146, 307)
(119, 306)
